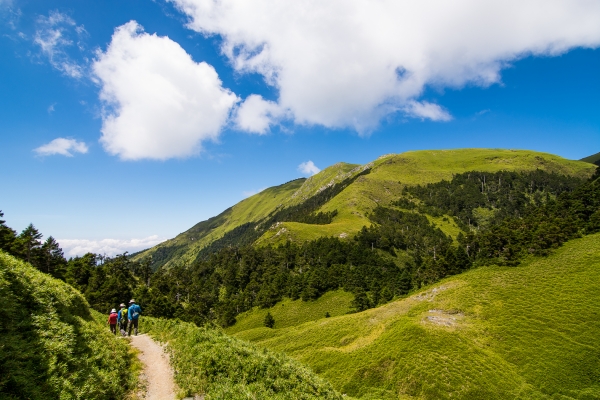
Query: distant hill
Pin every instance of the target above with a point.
(345, 193)
(593, 159)
(490, 333)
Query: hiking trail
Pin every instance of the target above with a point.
(157, 372)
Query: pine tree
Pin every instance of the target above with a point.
(7, 236)
(30, 245)
(52, 260)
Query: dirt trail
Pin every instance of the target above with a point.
(157, 371)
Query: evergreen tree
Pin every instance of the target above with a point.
(269, 321)
(30, 245)
(8, 236)
(52, 259)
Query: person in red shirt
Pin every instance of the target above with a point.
(112, 321)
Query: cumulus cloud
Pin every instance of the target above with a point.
(350, 62)
(256, 115)
(110, 247)
(54, 34)
(308, 168)
(158, 102)
(62, 146)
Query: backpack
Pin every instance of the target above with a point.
(135, 313)
(124, 314)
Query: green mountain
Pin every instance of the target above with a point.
(593, 159)
(345, 194)
(526, 332)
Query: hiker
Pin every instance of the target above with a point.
(112, 321)
(133, 315)
(122, 319)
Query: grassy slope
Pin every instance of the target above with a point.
(494, 332)
(51, 346)
(206, 361)
(189, 243)
(294, 312)
(594, 159)
(390, 173)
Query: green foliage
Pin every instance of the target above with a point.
(469, 194)
(51, 345)
(269, 321)
(234, 280)
(541, 229)
(206, 361)
(526, 332)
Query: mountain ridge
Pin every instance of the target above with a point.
(387, 176)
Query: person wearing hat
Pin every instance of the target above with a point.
(122, 319)
(112, 321)
(133, 315)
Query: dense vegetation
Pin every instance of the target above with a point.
(51, 345)
(221, 367)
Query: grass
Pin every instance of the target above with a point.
(526, 332)
(52, 346)
(294, 312)
(208, 362)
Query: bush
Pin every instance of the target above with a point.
(51, 345)
(206, 361)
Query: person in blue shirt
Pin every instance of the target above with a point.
(133, 314)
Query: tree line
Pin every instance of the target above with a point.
(532, 213)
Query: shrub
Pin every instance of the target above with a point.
(51, 345)
(206, 361)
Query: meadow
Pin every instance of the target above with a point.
(525, 332)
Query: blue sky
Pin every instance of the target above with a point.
(168, 120)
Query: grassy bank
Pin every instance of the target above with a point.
(51, 346)
(206, 361)
(528, 332)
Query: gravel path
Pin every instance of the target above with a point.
(157, 371)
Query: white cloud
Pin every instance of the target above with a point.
(256, 115)
(344, 63)
(63, 147)
(425, 110)
(308, 168)
(159, 103)
(110, 247)
(51, 108)
(248, 193)
(53, 36)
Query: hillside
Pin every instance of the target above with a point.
(594, 159)
(351, 192)
(52, 345)
(492, 332)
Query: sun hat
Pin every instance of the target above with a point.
(122, 305)
(131, 301)
(113, 310)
